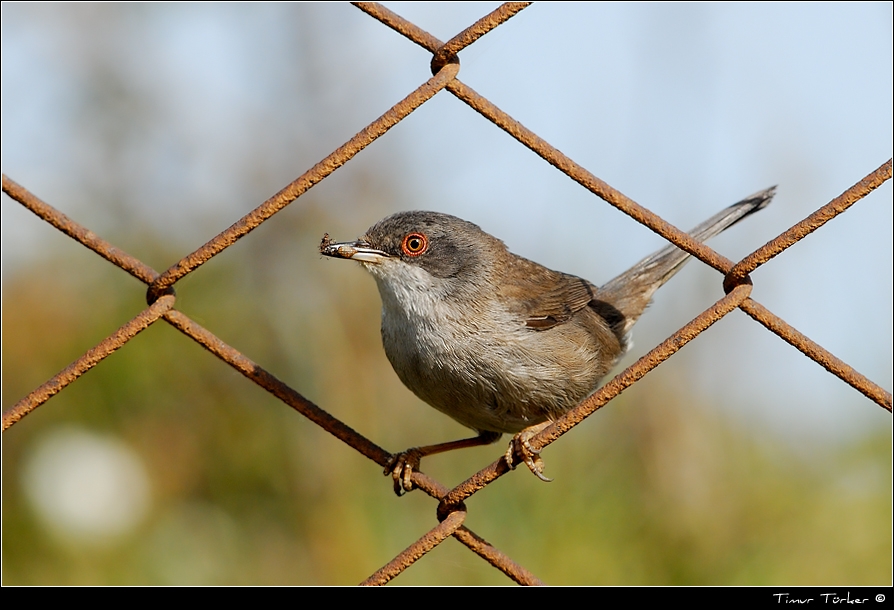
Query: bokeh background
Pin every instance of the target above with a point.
(738, 461)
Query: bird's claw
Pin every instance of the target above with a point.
(520, 450)
(401, 467)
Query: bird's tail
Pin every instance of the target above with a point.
(630, 292)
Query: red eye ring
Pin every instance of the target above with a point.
(414, 244)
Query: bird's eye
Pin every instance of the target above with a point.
(414, 244)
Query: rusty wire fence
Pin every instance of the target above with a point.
(451, 510)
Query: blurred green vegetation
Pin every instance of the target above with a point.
(657, 489)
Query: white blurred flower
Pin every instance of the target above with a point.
(86, 487)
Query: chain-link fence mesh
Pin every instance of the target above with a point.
(451, 510)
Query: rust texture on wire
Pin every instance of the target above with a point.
(86, 362)
(400, 25)
(494, 557)
(122, 259)
(815, 352)
(300, 185)
(415, 551)
(276, 387)
(587, 180)
(451, 511)
(810, 224)
(447, 53)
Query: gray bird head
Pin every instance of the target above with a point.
(423, 251)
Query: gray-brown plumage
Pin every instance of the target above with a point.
(496, 341)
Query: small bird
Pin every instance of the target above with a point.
(500, 343)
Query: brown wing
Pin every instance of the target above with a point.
(542, 297)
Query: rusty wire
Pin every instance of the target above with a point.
(117, 257)
(300, 185)
(451, 509)
(810, 224)
(86, 362)
(816, 353)
(415, 551)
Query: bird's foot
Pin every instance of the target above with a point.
(402, 465)
(520, 450)
(401, 469)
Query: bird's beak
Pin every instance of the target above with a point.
(359, 250)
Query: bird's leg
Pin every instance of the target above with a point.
(520, 450)
(402, 465)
